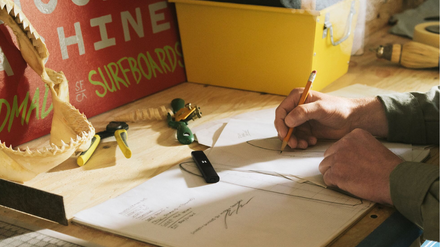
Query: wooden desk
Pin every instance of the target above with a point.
(155, 147)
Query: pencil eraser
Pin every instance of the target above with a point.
(205, 167)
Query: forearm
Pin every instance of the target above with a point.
(369, 114)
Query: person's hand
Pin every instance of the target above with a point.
(326, 116)
(359, 164)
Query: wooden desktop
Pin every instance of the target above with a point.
(155, 148)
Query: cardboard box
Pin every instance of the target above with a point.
(265, 49)
(112, 53)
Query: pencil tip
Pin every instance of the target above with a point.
(283, 146)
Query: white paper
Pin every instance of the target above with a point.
(207, 134)
(264, 198)
(177, 208)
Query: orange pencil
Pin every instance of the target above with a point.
(301, 101)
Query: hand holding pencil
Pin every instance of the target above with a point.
(301, 101)
(327, 117)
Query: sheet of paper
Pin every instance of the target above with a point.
(207, 134)
(264, 198)
(177, 208)
(257, 147)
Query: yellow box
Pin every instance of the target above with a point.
(265, 49)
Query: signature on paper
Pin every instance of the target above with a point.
(229, 212)
(233, 210)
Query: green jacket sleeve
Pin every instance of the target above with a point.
(414, 118)
(415, 193)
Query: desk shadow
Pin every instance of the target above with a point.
(160, 127)
(164, 132)
(104, 156)
(69, 164)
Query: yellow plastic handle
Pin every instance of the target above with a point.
(85, 156)
(121, 139)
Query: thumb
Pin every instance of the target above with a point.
(303, 113)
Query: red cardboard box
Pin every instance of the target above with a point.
(112, 53)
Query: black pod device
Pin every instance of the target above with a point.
(205, 167)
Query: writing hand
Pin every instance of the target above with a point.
(358, 163)
(326, 116)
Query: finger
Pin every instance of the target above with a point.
(312, 140)
(304, 113)
(280, 115)
(304, 141)
(285, 108)
(329, 178)
(281, 128)
(293, 141)
(331, 150)
(302, 144)
(304, 132)
(291, 101)
(302, 138)
(325, 165)
(287, 105)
